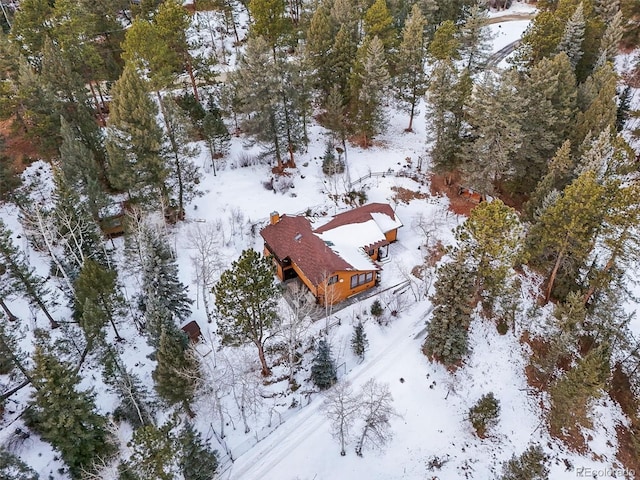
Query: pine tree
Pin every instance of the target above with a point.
(215, 132)
(183, 175)
(549, 98)
(449, 92)
(176, 373)
(319, 47)
(164, 297)
(13, 468)
(484, 414)
(611, 38)
(495, 117)
(269, 21)
(410, 83)
(359, 342)
(530, 465)
(571, 394)
(445, 46)
(573, 36)
(9, 180)
(447, 331)
(134, 141)
(563, 237)
(246, 297)
(98, 286)
(490, 241)
(475, 39)
(197, 460)
(154, 454)
(623, 111)
(21, 275)
(597, 101)
(323, 370)
(369, 80)
(378, 22)
(343, 57)
(80, 168)
(64, 416)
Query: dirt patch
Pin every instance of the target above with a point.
(405, 195)
(628, 436)
(449, 185)
(20, 150)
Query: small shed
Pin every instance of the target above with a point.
(192, 329)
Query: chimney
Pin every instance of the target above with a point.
(274, 218)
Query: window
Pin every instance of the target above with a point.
(361, 279)
(332, 280)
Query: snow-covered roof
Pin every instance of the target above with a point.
(348, 242)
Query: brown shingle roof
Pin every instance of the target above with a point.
(358, 215)
(292, 237)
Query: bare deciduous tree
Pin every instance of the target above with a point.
(246, 386)
(341, 407)
(376, 410)
(295, 321)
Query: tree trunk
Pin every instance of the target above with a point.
(411, 114)
(266, 371)
(361, 441)
(174, 148)
(52, 323)
(8, 312)
(192, 78)
(554, 273)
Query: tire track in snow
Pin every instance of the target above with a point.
(268, 453)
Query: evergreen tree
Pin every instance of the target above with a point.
(246, 297)
(495, 117)
(359, 342)
(215, 132)
(563, 237)
(410, 83)
(9, 180)
(154, 454)
(484, 414)
(134, 141)
(548, 96)
(370, 79)
(530, 465)
(323, 369)
(622, 113)
(573, 36)
(164, 299)
(134, 404)
(76, 230)
(197, 460)
(571, 394)
(378, 22)
(176, 373)
(341, 62)
(64, 416)
(475, 39)
(447, 331)
(611, 38)
(449, 91)
(13, 468)
(445, 44)
(490, 241)
(80, 168)
(21, 275)
(597, 101)
(98, 286)
(183, 175)
(269, 21)
(319, 47)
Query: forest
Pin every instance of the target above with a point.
(143, 145)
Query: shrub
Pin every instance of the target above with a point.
(330, 164)
(531, 465)
(484, 414)
(376, 309)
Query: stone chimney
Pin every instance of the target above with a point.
(274, 218)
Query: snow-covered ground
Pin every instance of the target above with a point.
(432, 404)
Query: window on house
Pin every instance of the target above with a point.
(332, 280)
(361, 279)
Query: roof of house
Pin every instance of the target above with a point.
(381, 213)
(335, 246)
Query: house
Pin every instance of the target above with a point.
(338, 259)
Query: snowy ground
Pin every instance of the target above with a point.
(432, 403)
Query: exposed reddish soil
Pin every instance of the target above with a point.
(628, 436)
(18, 148)
(405, 195)
(450, 187)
